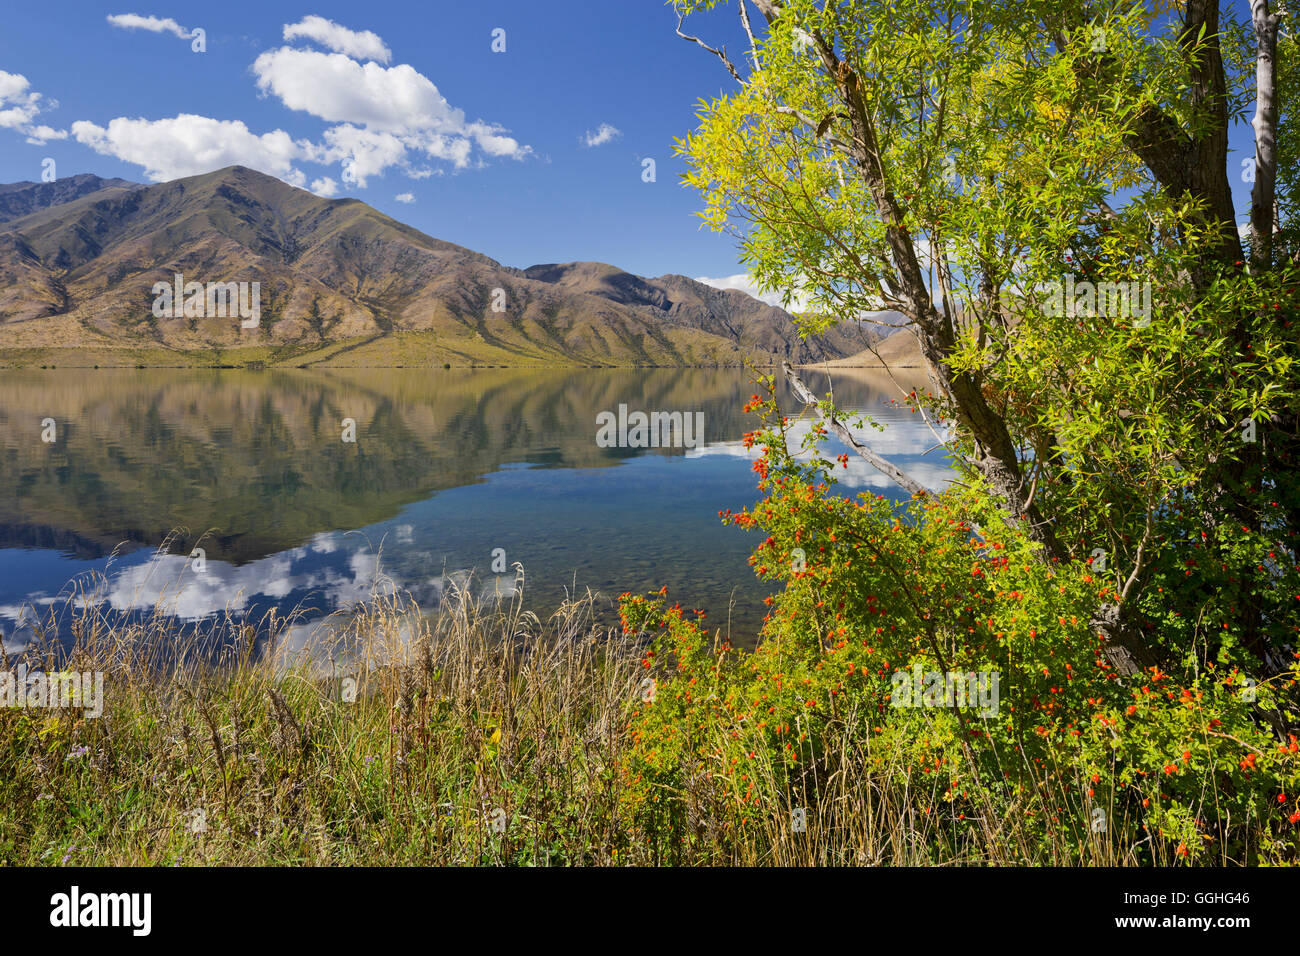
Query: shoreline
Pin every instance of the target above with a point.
(45, 363)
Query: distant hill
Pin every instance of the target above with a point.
(341, 283)
(896, 349)
(21, 199)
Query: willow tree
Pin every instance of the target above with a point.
(1043, 189)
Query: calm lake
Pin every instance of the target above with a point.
(450, 473)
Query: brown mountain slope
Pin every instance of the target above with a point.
(897, 349)
(22, 199)
(339, 279)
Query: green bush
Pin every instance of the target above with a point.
(1074, 763)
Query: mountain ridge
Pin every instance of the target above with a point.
(23, 198)
(341, 281)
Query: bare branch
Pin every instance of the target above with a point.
(888, 469)
(720, 54)
(749, 31)
(1138, 559)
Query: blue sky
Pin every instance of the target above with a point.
(500, 152)
(498, 139)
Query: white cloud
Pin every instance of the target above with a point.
(38, 135)
(362, 152)
(405, 197)
(492, 142)
(13, 87)
(379, 117)
(19, 105)
(134, 21)
(452, 149)
(365, 44)
(188, 145)
(799, 301)
(745, 283)
(384, 114)
(338, 89)
(605, 133)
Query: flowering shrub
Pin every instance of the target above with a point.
(1066, 761)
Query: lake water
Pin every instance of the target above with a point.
(451, 471)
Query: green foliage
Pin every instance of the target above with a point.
(1009, 154)
(1008, 149)
(1178, 762)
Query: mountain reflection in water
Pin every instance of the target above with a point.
(453, 473)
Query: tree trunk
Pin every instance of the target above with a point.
(1262, 197)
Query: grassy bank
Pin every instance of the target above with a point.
(402, 755)
(481, 735)
(422, 350)
(400, 350)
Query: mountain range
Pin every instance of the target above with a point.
(340, 284)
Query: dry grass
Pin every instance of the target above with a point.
(389, 737)
(480, 735)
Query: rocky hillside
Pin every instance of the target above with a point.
(340, 281)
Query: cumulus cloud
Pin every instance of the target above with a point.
(799, 302)
(491, 140)
(188, 145)
(334, 36)
(363, 153)
(383, 114)
(134, 21)
(405, 197)
(605, 133)
(745, 283)
(20, 105)
(39, 135)
(378, 117)
(337, 88)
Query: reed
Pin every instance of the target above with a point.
(477, 735)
